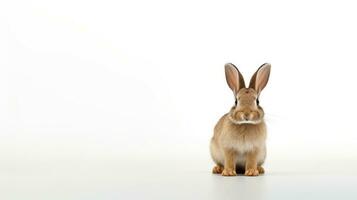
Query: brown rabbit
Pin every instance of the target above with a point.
(238, 143)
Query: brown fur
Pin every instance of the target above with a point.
(239, 136)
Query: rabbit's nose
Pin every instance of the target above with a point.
(246, 116)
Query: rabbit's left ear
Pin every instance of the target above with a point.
(260, 78)
(234, 78)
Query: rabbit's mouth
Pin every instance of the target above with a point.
(239, 122)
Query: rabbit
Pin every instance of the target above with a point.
(238, 143)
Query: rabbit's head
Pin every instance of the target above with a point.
(247, 109)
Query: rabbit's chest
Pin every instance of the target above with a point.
(243, 143)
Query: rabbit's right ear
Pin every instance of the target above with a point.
(260, 78)
(234, 78)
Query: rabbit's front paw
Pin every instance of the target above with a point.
(251, 172)
(229, 172)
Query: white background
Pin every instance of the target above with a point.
(118, 99)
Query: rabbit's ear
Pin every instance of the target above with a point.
(234, 78)
(260, 78)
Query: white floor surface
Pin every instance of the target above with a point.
(174, 178)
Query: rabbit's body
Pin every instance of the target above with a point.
(238, 143)
(242, 138)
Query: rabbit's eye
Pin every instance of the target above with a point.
(235, 103)
(257, 102)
